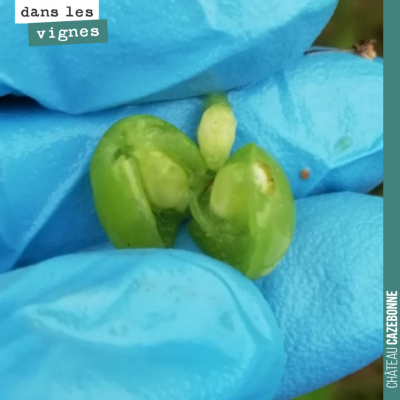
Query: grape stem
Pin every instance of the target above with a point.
(213, 99)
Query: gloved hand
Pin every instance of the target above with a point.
(327, 292)
(83, 326)
(160, 50)
(325, 114)
(144, 324)
(169, 324)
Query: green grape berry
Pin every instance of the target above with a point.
(143, 173)
(246, 217)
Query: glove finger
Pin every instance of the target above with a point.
(155, 324)
(324, 113)
(327, 292)
(161, 51)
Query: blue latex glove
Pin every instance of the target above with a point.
(327, 291)
(324, 113)
(145, 325)
(160, 50)
(168, 324)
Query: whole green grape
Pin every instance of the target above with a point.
(143, 173)
(246, 216)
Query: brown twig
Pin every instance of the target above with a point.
(362, 48)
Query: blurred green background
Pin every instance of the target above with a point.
(355, 20)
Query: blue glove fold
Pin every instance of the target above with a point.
(327, 291)
(171, 324)
(148, 325)
(161, 50)
(325, 114)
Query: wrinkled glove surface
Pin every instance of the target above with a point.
(327, 291)
(163, 324)
(160, 50)
(128, 325)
